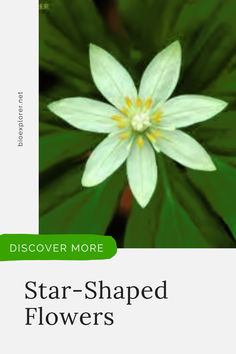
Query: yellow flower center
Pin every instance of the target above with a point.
(139, 119)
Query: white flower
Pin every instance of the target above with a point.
(139, 123)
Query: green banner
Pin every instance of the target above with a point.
(56, 247)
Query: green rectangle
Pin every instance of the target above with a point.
(56, 247)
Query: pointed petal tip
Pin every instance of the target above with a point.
(220, 103)
(224, 104)
(85, 182)
(52, 106)
(212, 167)
(209, 169)
(92, 46)
(94, 49)
(49, 106)
(208, 166)
(143, 202)
(176, 45)
(144, 199)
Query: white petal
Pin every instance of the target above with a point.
(110, 77)
(105, 159)
(161, 75)
(85, 114)
(164, 126)
(182, 111)
(187, 151)
(142, 172)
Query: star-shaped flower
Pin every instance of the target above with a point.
(139, 123)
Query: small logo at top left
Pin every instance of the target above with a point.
(44, 6)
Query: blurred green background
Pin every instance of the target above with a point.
(189, 208)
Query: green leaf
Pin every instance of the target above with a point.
(199, 210)
(188, 208)
(60, 184)
(142, 223)
(208, 42)
(86, 211)
(178, 217)
(219, 190)
(148, 22)
(176, 229)
(218, 134)
(59, 147)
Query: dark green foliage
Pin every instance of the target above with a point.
(189, 208)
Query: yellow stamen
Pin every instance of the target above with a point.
(148, 103)
(138, 102)
(157, 116)
(125, 111)
(128, 101)
(151, 137)
(122, 124)
(157, 134)
(124, 135)
(140, 142)
(117, 118)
